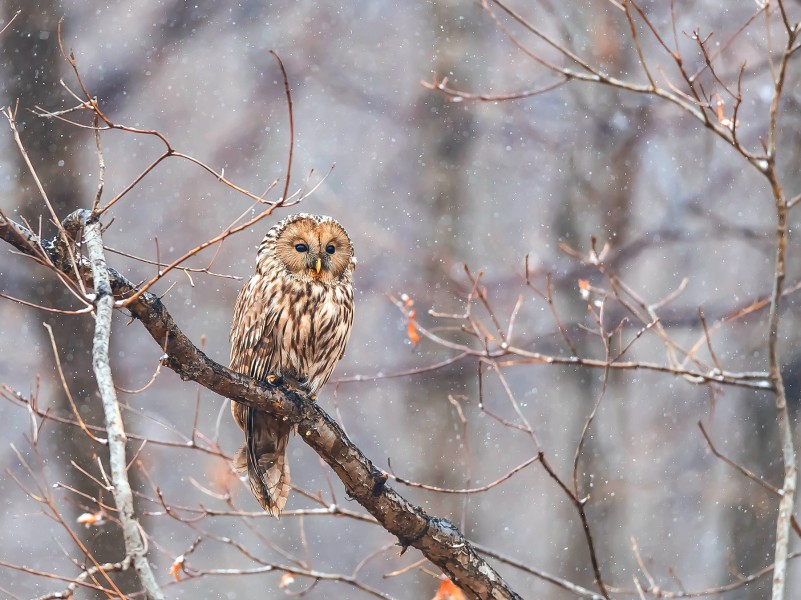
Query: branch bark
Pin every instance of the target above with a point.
(438, 539)
(123, 497)
(787, 501)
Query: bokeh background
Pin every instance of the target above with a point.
(423, 185)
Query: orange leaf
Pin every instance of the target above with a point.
(89, 519)
(287, 579)
(411, 329)
(176, 566)
(722, 118)
(448, 591)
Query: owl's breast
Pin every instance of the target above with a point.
(311, 327)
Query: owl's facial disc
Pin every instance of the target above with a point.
(314, 251)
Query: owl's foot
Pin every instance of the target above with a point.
(274, 380)
(379, 479)
(297, 385)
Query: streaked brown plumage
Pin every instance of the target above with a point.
(292, 320)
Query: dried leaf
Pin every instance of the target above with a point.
(411, 329)
(89, 519)
(448, 591)
(287, 579)
(176, 566)
(722, 118)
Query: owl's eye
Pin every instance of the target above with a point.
(301, 247)
(330, 249)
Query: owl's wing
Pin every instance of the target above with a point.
(346, 324)
(254, 353)
(346, 328)
(252, 346)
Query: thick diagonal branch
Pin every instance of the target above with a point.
(438, 539)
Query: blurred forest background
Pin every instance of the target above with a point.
(423, 185)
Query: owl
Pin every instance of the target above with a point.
(291, 321)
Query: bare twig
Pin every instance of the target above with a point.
(11, 20)
(457, 95)
(66, 388)
(475, 490)
(284, 196)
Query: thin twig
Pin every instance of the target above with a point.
(475, 490)
(7, 25)
(66, 388)
(284, 198)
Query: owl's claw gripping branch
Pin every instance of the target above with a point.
(439, 540)
(379, 480)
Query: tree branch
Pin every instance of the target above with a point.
(123, 497)
(438, 539)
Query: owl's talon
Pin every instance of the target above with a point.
(274, 380)
(379, 479)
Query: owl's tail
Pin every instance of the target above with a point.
(263, 457)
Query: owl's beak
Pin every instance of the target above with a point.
(317, 265)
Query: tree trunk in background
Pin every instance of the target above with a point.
(32, 66)
(752, 511)
(447, 134)
(597, 201)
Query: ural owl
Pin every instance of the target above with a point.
(292, 321)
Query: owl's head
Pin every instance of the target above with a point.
(311, 247)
